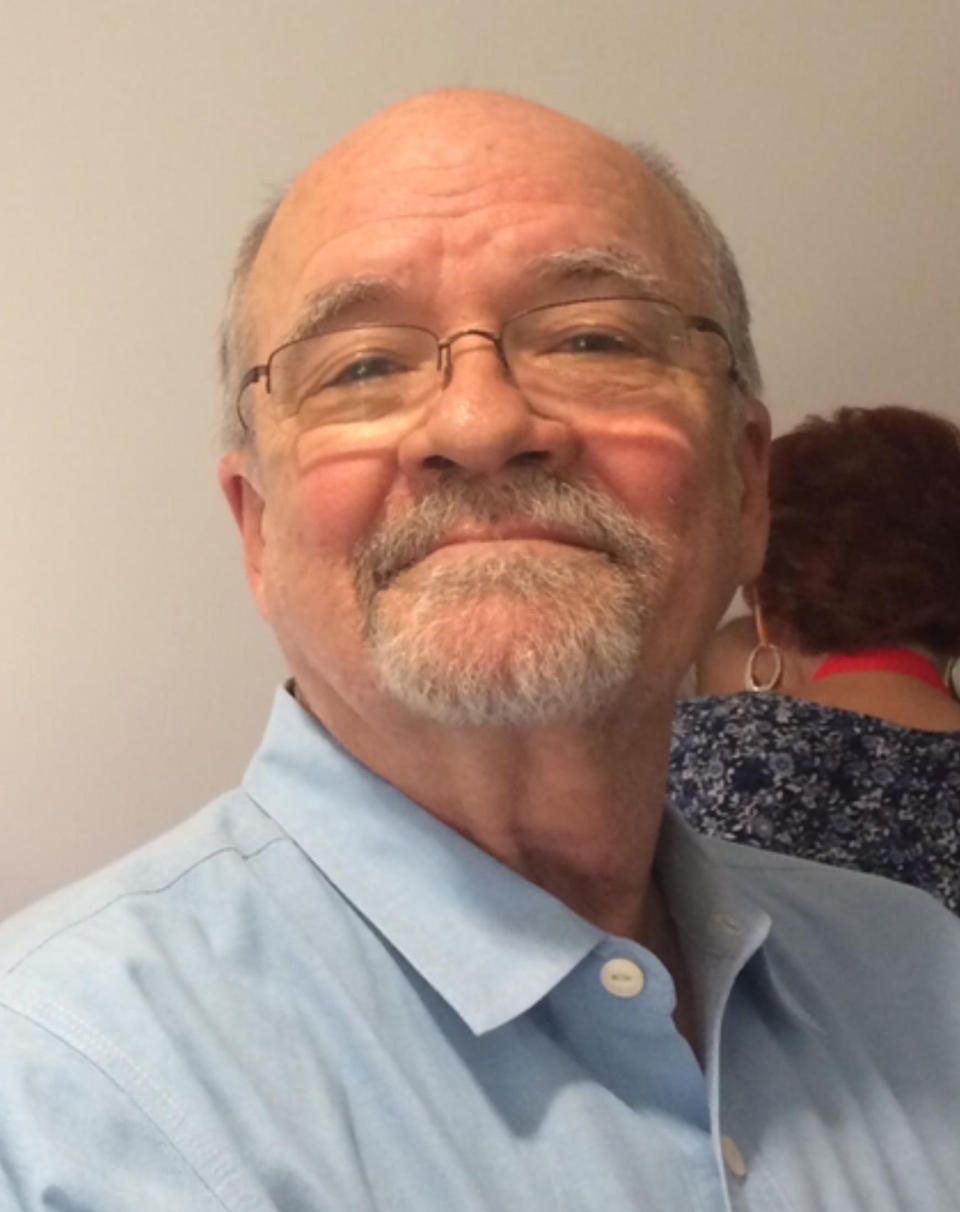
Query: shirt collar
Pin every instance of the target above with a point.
(490, 943)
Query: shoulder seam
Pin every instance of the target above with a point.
(122, 896)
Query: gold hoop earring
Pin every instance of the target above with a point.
(750, 680)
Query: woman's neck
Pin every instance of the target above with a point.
(901, 684)
(908, 661)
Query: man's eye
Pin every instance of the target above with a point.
(604, 342)
(365, 369)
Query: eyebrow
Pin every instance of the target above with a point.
(331, 303)
(579, 264)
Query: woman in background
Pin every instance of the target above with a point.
(843, 743)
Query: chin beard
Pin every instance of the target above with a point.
(509, 637)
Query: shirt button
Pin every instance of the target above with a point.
(622, 977)
(726, 923)
(732, 1157)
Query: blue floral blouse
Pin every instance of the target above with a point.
(822, 783)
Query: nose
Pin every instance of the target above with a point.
(479, 422)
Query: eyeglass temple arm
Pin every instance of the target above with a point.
(705, 324)
(253, 375)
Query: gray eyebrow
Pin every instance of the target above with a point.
(572, 264)
(324, 306)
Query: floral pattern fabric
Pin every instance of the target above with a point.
(821, 783)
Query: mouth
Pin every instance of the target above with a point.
(467, 532)
(474, 534)
(540, 520)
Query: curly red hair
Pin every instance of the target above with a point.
(865, 532)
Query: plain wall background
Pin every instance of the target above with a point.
(137, 140)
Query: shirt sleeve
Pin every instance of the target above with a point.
(72, 1140)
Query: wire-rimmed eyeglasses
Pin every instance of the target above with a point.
(602, 352)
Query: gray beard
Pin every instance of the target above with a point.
(507, 638)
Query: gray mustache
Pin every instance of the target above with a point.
(533, 496)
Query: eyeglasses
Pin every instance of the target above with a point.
(602, 353)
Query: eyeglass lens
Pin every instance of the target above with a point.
(603, 353)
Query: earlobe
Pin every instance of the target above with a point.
(240, 487)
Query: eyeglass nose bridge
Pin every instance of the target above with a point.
(445, 351)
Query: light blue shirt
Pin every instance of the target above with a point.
(313, 996)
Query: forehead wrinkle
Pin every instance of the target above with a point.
(330, 303)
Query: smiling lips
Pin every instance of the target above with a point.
(472, 532)
(485, 533)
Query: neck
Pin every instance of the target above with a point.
(902, 685)
(574, 808)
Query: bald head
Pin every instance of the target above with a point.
(445, 132)
(446, 154)
(434, 142)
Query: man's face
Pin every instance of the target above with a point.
(485, 557)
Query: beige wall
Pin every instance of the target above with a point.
(136, 139)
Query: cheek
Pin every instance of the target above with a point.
(335, 503)
(660, 476)
(316, 514)
(677, 487)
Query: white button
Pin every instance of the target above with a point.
(732, 1157)
(726, 922)
(622, 977)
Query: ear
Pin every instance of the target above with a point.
(752, 457)
(239, 483)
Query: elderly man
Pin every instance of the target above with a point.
(497, 464)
